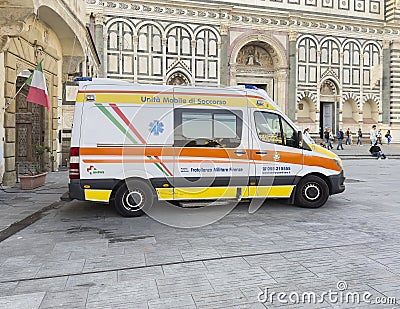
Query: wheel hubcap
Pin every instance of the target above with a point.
(312, 191)
(133, 200)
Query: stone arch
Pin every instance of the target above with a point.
(280, 57)
(152, 23)
(350, 112)
(370, 112)
(73, 42)
(178, 78)
(177, 25)
(306, 111)
(265, 65)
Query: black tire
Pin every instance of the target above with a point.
(311, 192)
(134, 197)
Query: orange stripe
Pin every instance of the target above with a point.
(285, 157)
(156, 161)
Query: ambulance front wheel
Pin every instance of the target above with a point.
(311, 192)
(132, 198)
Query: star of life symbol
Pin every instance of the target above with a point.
(156, 127)
(277, 156)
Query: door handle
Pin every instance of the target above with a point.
(262, 153)
(240, 152)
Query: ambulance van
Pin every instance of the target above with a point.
(133, 145)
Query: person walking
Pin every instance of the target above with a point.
(388, 136)
(348, 136)
(328, 138)
(372, 135)
(307, 135)
(359, 135)
(379, 137)
(340, 137)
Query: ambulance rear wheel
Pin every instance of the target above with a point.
(132, 198)
(311, 192)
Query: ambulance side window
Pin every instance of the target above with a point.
(207, 128)
(268, 127)
(289, 134)
(272, 128)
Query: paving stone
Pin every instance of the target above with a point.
(120, 295)
(180, 302)
(7, 288)
(22, 301)
(183, 285)
(41, 285)
(91, 280)
(114, 262)
(232, 279)
(139, 274)
(53, 268)
(184, 269)
(75, 298)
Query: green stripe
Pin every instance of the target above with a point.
(125, 131)
(115, 121)
(161, 169)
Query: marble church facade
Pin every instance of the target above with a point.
(327, 63)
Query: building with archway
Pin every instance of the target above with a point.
(31, 31)
(318, 59)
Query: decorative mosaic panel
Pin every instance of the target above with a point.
(359, 5)
(374, 7)
(344, 4)
(327, 3)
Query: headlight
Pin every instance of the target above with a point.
(339, 163)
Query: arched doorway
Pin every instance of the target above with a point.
(260, 60)
(29, 127)
(327, 112)
(255, 57)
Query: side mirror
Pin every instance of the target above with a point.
(299, 142)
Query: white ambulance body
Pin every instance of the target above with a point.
(135, 144)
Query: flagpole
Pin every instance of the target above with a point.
(13, 98)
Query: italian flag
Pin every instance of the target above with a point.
(37, 88)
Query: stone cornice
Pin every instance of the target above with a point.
(241, 17)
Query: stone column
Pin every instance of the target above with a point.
(291, 112)
(164, 55)
(99, 40)
(223, 57)
(193, 79)
(281, 79)
(386, 82)
(104, 65)
(233, 81)
(135, 58)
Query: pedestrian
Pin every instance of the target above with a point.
(340, 137)
(359, 135)
(379, 137)
(329, 138)
(308, 136)
(388, 136)
(348, 136)
(372, 135)
(376, 151)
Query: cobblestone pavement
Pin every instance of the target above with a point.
(84, 255)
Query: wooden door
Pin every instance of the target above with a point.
(29, 129)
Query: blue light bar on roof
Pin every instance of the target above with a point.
(250, 87)
(83, 79)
